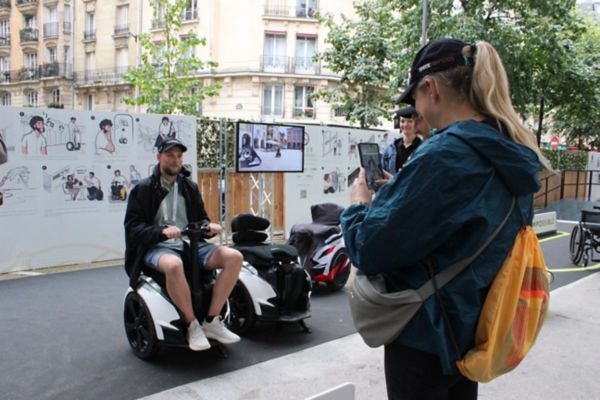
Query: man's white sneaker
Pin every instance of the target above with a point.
(216, 330)
(196, 338)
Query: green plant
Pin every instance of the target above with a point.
(566, 160)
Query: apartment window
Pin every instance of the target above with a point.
(122, 23)
(190, 52)
(90, 61)
(191, 11)
(122, 60)
(5, 64)
(31, 98)
(50, 14)
(90, 26)
(67, 55)
(272, 104)
(199, 104)
(303, 105)
(30, 22)
(54, 98)
(30, 60)
(5, 69)
(51, 54)
(305, 50)
(50, 22)
(306, 8)
(89, 102)
(275, 59)
(4, 31)
(5, 99)
(67, 19)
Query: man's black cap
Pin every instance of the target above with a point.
(169, 144)
(438, 55)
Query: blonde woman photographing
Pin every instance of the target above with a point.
(441, 207)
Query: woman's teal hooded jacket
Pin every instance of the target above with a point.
(446, 201)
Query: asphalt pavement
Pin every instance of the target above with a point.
(62, 337)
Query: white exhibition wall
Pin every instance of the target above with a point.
(330, 165)
(44, 222)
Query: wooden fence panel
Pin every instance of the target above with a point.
(550, 184)
(238, 195)
(575, 185)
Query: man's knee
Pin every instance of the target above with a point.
(228, 258)
(170, 265)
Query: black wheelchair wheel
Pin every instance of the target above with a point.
(139, 327)
(341, 277)
(576, 244)
(242, 316)
(70, 146)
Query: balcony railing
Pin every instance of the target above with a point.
(294, 65)
(27, 6)
(6, 76)
(5, 40)
(28, 74)
(90, 34)
(279, 64)
(305, 66)
(49, 70)
(291, 9)
(306, 112)
(189, 15)
(29, 35)
(50, 29)
(121, 30)
(101, 76)
(158, 23)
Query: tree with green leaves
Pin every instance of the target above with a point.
(166, 77)
(578, 118)
(535, 38)
(360, 52)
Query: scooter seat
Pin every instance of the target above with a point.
(284, 252)
(264, 255)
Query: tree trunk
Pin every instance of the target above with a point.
(540, 121)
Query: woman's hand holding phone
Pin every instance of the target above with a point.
(360, 192)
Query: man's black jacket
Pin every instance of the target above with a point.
(142, 206)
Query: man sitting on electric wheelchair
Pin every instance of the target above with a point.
(158, 210)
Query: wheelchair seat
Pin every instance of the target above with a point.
(591, 221)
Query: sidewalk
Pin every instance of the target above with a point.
(563, 364)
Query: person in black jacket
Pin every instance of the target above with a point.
(158, 209)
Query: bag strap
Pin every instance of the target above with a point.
(438, 280)
(447, 274)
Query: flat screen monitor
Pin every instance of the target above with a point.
(263, 147)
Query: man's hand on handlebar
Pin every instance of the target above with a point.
(214, 229)
(172, 232)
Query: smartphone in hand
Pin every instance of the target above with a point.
(370, 161)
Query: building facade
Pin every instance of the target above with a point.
(36, 44)
(74, 53)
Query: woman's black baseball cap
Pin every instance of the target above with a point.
(437, 55)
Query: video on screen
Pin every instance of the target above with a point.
(262, 147)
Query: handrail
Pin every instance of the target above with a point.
(584, 183)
